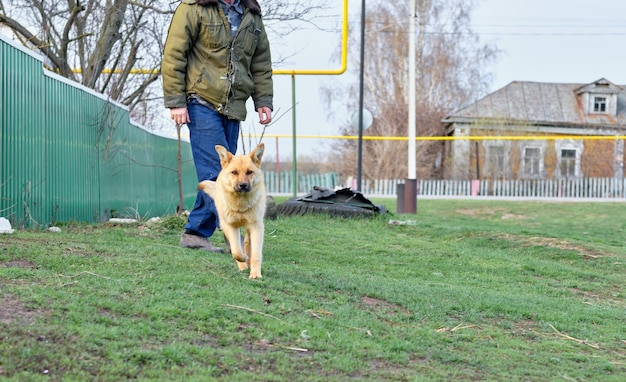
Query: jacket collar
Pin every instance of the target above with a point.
(252, 5)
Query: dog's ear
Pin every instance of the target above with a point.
(257, 154)
(225, 156)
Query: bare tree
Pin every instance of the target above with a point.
(450, 72)
(115, 46)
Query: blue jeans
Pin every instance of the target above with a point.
(207, 129)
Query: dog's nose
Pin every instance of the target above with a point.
(243, 187)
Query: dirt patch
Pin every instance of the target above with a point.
(384, 306)
(513, 217)
(390, 371)
(480, 212)
(19, 264)
(491, 212)
(525, 325)
(52, 244)
(550, 242)
(13, 311)
(605, 297)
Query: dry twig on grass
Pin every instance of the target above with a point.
(66, 284)
(296, 349)
(253, 311)
(318, 313)
(367, 331)
(458, 327)
(84, 273)
(584, 342)
(76, 275)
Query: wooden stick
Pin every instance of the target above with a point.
(296, 349)
(575, 339)
(253, 311)
(83, 273)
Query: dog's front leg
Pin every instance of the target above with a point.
(232, 235)
(256, 251)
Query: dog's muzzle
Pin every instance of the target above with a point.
(243, 187)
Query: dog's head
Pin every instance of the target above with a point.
(241, 173)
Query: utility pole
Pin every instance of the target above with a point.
(359, 181)
(410, 186)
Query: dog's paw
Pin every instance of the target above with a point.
(255, 275)
(242, 265)
(241, 258)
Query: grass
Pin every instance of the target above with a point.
(474, 290)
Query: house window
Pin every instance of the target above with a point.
(496, 161)
(599, 104)
(568, 163)
(532, 161)
(568, 156)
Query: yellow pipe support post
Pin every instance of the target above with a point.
(344, 53)
(448, 138)
(294, 169)
(292, 73)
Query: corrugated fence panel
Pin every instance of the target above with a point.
(69, 154)
(73, 183)
(169, 181)
(141, 170)
(22, 136)
(116, 191)
(141, 155)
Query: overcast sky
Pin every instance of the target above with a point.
(575, 41)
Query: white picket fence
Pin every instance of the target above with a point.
(606, 188)
(282, 182)
(538, 188)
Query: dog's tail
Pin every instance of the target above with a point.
(208, 186)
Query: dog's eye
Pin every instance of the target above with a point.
(249, 172)
(235, 172)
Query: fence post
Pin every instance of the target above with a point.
(410, 196)
(400, 198)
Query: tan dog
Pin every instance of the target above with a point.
(240, 197)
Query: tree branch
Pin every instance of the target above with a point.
(151, 8)
(29, 39)
(65, 40)
(111, 25)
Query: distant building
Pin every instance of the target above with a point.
(539, 109)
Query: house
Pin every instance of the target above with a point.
(537, 130)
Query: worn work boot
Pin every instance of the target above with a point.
(198, 242)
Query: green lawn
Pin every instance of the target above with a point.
(465, 291)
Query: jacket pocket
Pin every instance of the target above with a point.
(213, 35)
(250, 39)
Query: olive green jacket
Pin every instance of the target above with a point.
(201, 57)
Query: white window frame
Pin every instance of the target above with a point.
(541, 146)
(491, 170)
(569, 144)
(597, 105)
(567, 163)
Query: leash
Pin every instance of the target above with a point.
(181, 202)
(243, 143)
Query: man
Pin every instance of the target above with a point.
(216, 57)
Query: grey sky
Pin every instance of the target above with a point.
(575, 41)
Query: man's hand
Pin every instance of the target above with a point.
(180, 115)
(265, 115)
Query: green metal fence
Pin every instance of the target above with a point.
(68, 154)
